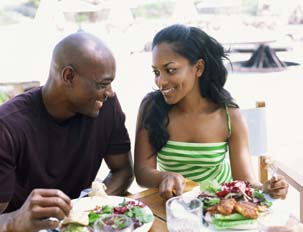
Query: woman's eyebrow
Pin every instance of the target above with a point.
(165, 65)
(171, 62)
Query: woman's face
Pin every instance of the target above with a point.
(174, 75)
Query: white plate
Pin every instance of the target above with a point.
(195, 192)
(89, 203)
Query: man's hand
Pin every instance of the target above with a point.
(41, 205)
(172, 184)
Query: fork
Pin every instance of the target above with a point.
(273, 167)
(83, 193)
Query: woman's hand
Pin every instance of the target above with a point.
(41, 205)
(276, 187)
(172, 184)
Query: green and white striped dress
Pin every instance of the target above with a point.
(197, 161)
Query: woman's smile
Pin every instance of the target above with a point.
(166, 91)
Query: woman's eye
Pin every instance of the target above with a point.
(171, 70)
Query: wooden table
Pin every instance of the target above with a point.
(156, 203)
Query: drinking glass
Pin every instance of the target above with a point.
(184, 214)
(114, 223)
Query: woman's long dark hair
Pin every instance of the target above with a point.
(193, 44)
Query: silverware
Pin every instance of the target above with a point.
(272, 167)
(83, 193)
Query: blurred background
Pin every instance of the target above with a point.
(263, 38)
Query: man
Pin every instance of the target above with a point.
(53, 139)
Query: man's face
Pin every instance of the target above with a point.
(92, 87)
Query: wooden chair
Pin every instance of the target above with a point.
(257, 133)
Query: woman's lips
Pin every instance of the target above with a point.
(167, 91)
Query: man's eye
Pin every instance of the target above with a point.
(102, 85)
(156, 72)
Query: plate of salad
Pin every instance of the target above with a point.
(232, 206)
(87, 210)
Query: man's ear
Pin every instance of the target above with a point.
(200, 65)
(67, 74)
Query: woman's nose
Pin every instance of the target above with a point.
(161, 81)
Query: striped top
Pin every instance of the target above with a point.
(197, 161)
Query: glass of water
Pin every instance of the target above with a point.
(184, 214)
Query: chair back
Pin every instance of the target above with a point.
(257, 136)
(257, 130)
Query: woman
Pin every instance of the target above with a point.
(187, 126)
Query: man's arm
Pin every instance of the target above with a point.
(121, 173)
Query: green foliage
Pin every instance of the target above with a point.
(210, 186)
(107, 209)
(3, 97)
(222, 224)
(138, 213)
(231, 217)
(249, 7)
(210, 202)
(92, 217)
(154, 10)
(81, 17)
(260, 195)
(75, 228)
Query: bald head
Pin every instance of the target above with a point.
(80, 50)
(80, 78)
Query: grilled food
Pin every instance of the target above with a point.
(247, 209)
(226, 206)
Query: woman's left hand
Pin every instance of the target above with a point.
(276, 187)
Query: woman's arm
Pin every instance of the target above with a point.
(240, 159)
(145, 165)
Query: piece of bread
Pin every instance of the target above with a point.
(98, 189)
(76, 217)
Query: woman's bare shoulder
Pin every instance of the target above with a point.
(233, 111)
(236, 115)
